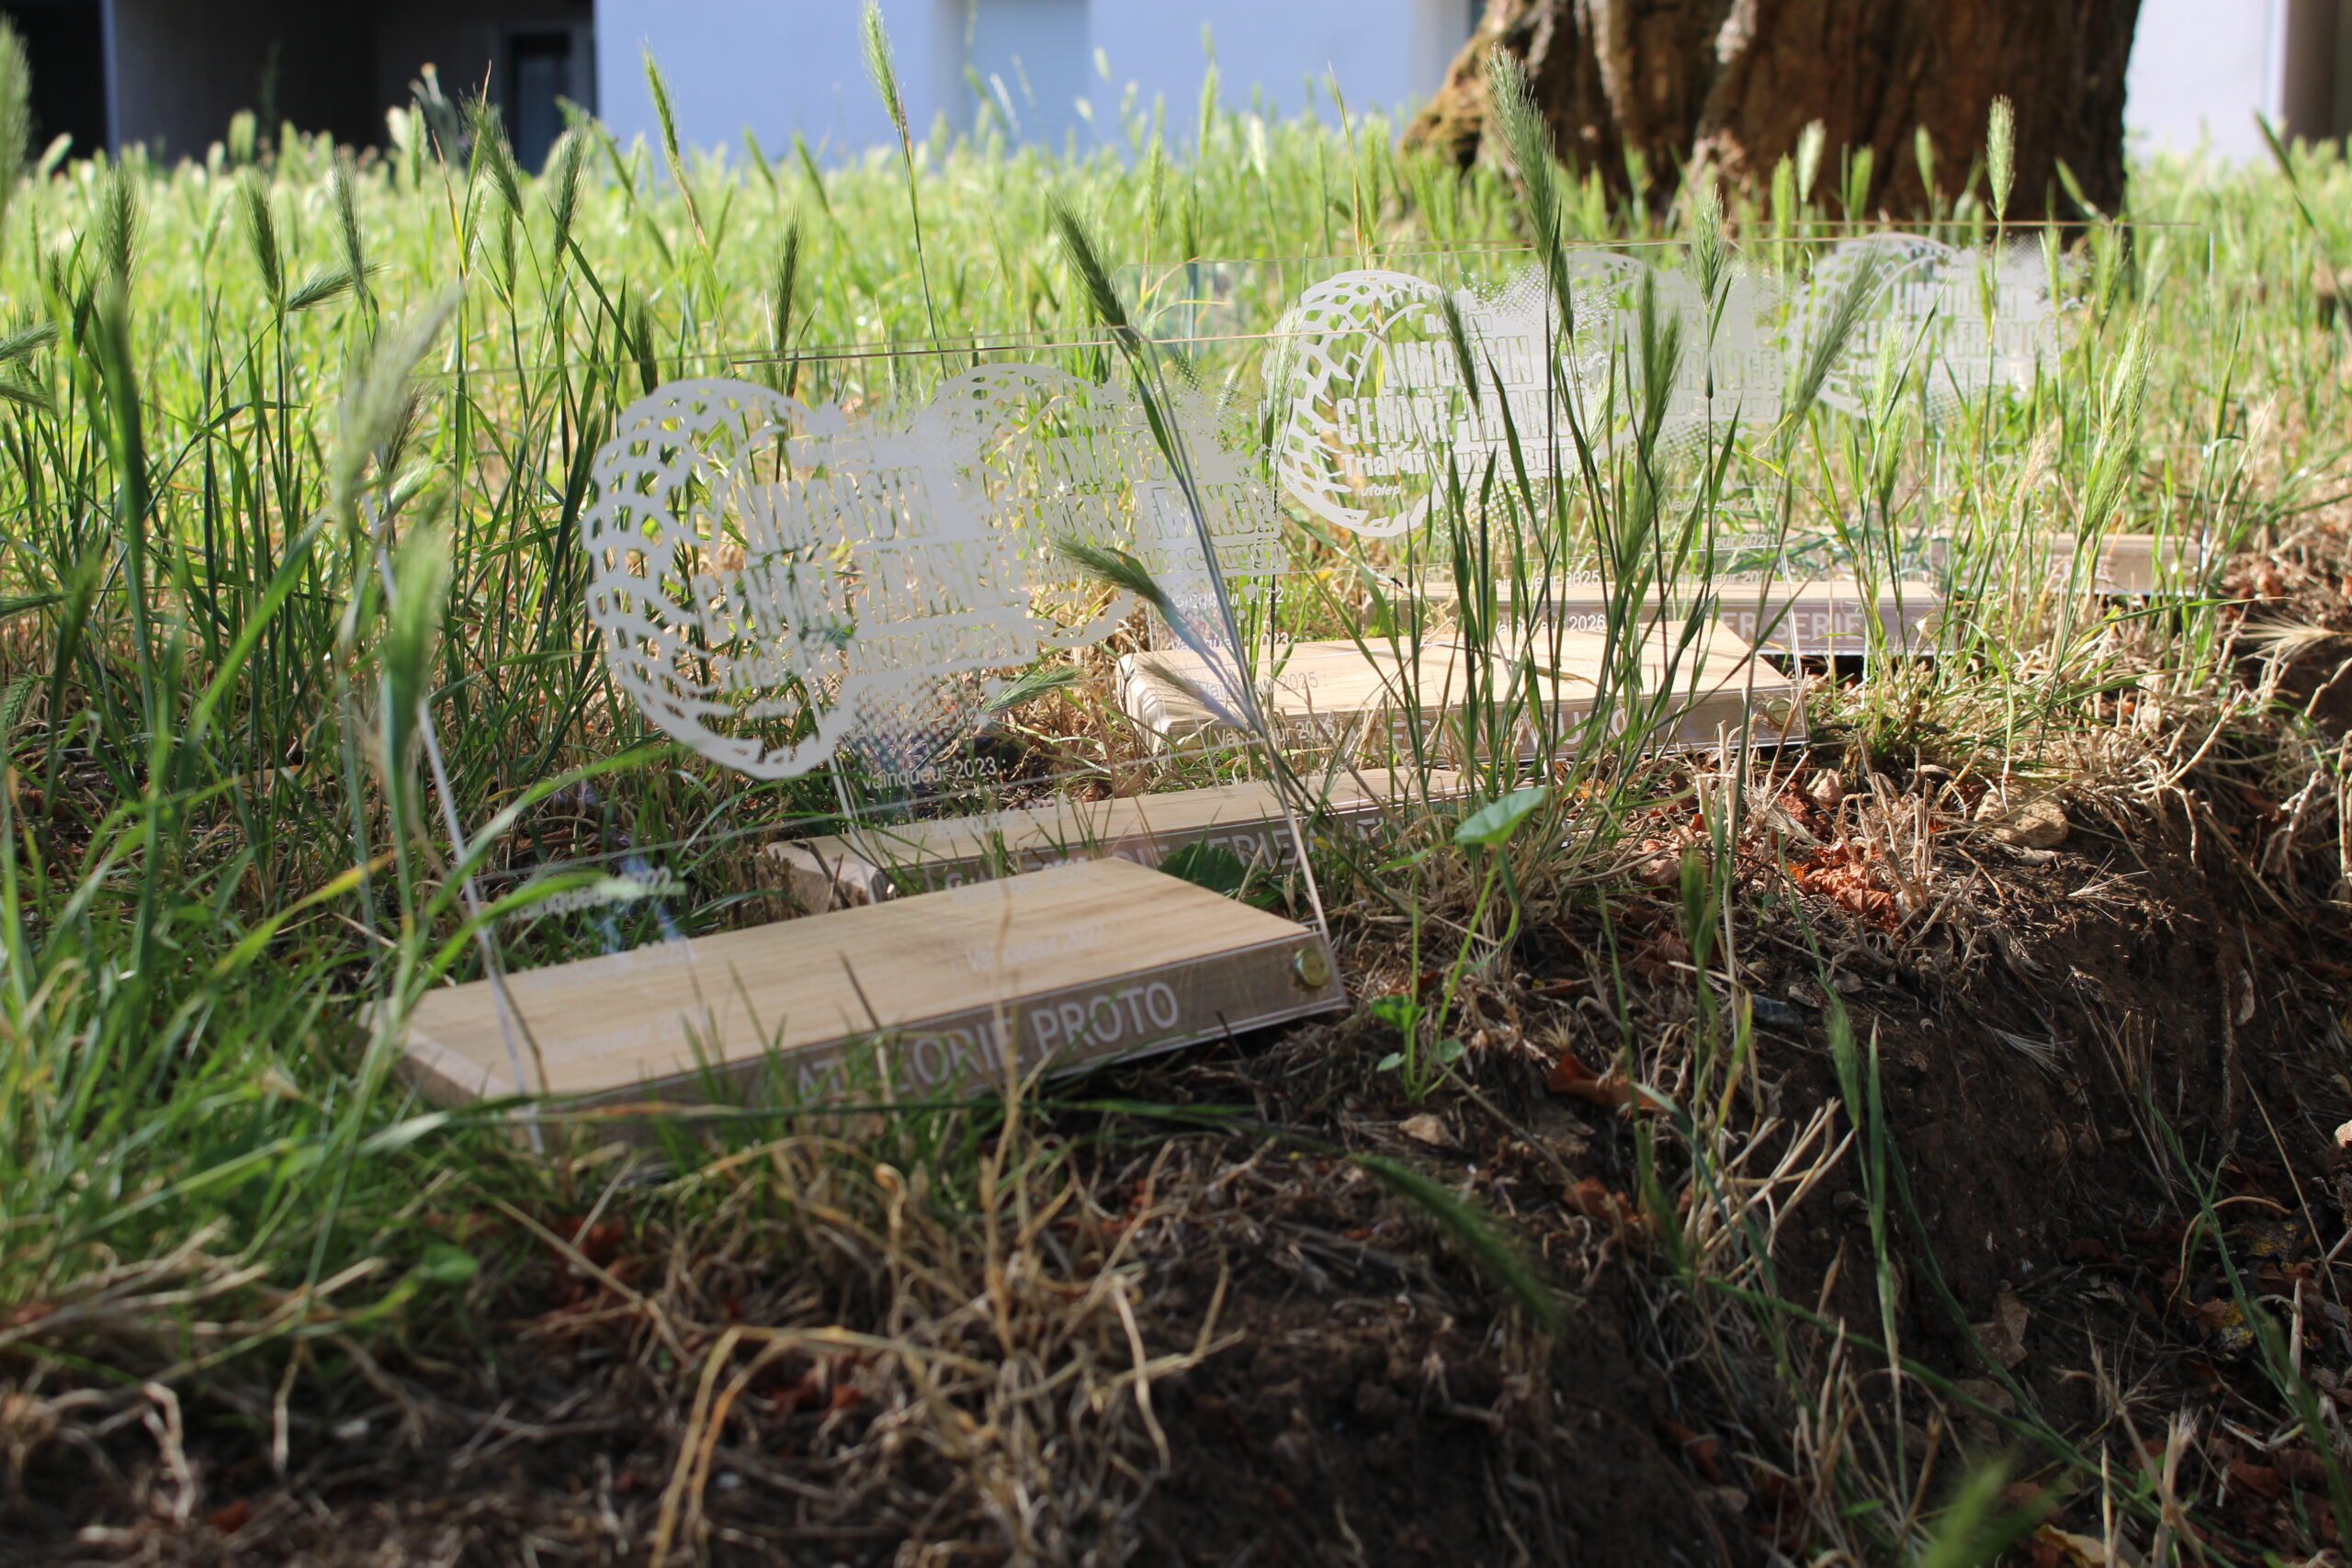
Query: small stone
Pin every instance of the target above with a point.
(1988, 1393)
(2037, 825)
(1295, 1457)
(1376, 1402)
(2004, 1338)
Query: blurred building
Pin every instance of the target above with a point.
(2202, 69)
(787, 67)
(171, 73)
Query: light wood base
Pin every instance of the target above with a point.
(1829, 617)
(2129, 566)
(942, 993)
(840, 870)
(1340, 693)
(1822, 615)
(1791, 616)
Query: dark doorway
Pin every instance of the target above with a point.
(65, 40)
(539, 70)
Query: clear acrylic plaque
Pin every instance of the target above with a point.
(872, 605)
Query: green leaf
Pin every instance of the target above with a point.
(1390, 1063)
(327, 283)
(1208, 866)
(2001, 154)
(26, 395)
(1492, 824)
(448, 1265)
(401, 1134)
(1033, 683)
(421, 571)
(1398, 1011)
(21, 342)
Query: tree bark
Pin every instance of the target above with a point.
(1732, 84)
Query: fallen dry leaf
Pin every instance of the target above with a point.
(1425, 1129)
(1570, 1071)
(1611, 1092)
(1593, 1199)
(1655, 958)
(1842, 871)
(1988, 1393)
(1608, 1090)
(2301, 1467)
(1703, 1451)
(2258, 1479)
(1658, 871)
(2051, 1546)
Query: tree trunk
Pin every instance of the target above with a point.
(1732, 84)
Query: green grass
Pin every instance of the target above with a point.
(292, 454)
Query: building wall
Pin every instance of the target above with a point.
(466, 43)
(1033, 56)
(463, 39)
(181, 69)
(778, 67)
(773, 66)
(66, 40)
(2201, 70)
(1374, 46)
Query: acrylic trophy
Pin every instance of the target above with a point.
(1414, 430)
(1584, 448)
(903, 851)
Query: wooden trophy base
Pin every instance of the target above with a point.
(1828, 618)
(1338, 692)
(1790, 616)
(2132, 566)
(2129, 566)
(876, 863)
(940, 994)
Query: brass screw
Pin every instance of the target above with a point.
(1311, 967)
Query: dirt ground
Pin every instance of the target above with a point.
(1220, 1340)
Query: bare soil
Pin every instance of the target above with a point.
(2070, 1040)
